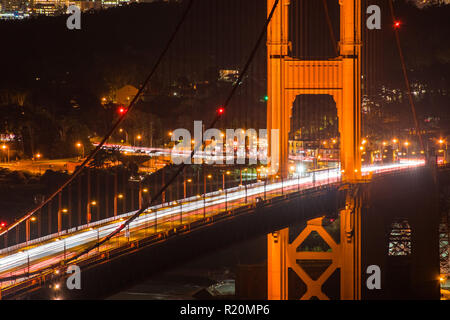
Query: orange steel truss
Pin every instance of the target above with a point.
(313, 287)
(345, 255)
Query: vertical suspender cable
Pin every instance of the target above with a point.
(405, 75)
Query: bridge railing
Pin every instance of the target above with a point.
(288, 184)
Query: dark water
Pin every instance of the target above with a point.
(183, 282)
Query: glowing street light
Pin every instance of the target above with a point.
(88, 211)
(184, 186)
(138, 137)
(79, 145)
(441, 142)
(5, 148)
(407, 146)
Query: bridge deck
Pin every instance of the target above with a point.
(25, 265)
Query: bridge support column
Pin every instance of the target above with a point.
(350, 246)
(277, 284)
(350, 111)
(278, 117)
(346, 255)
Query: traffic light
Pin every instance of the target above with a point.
(220, 111)
(2, 224)
(397, 24)
(266, 98)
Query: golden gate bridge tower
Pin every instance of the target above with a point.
(339, 77)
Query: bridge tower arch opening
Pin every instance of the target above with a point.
(314, 119)
(339, 77)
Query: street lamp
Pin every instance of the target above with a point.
(5, 148)
(27, 228)
(142, 192)
(441, 142)
(139, 138)
(407, 145)
(126, 134)
(209, 176)
(88, 215)
(80, 145)
(184, 186)
(223, 183)
(223, 178)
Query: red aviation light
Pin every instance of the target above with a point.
(121, 110)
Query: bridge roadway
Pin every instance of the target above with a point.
(47, 251)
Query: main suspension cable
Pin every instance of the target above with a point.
(199, 145)
(218, 116)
